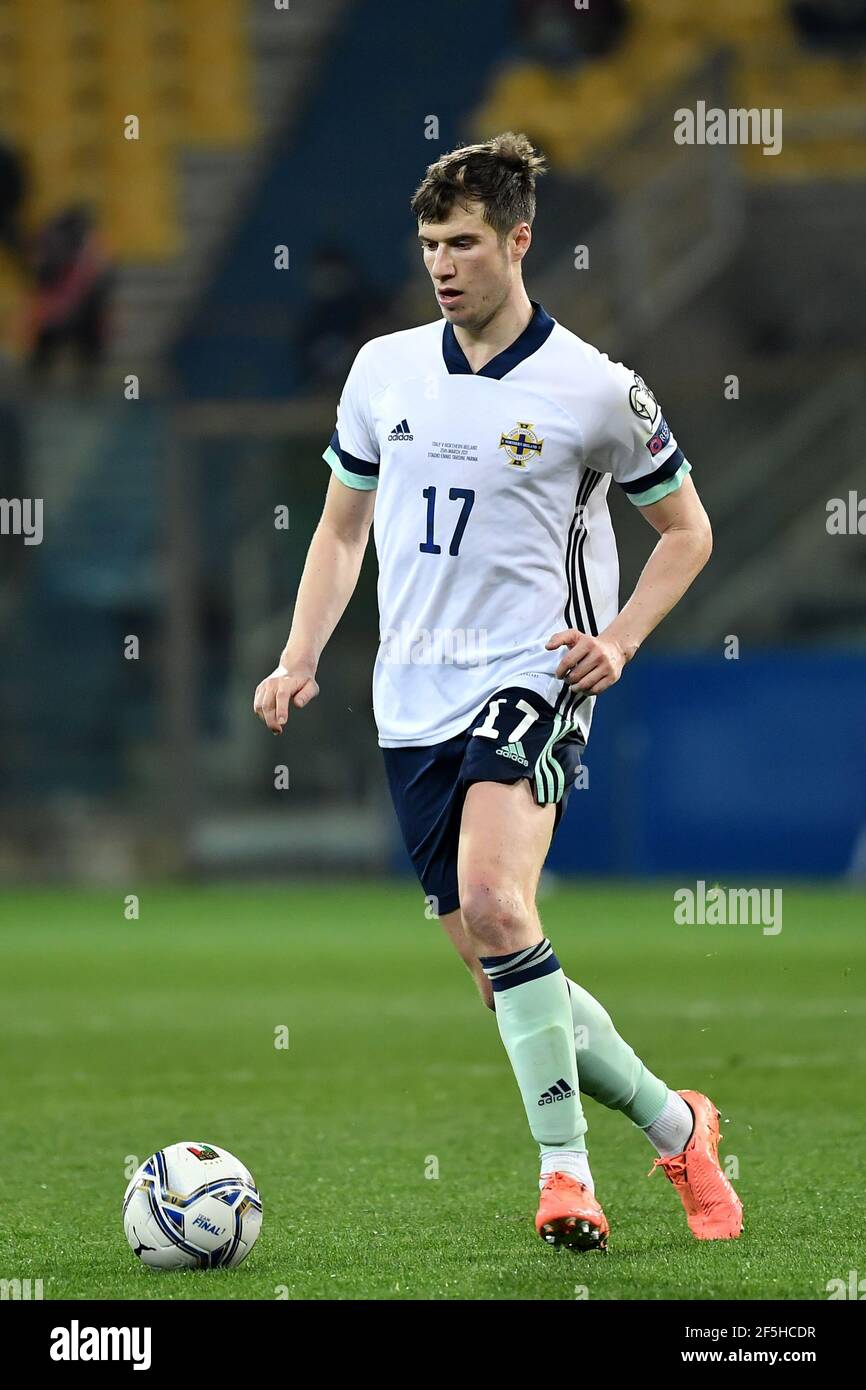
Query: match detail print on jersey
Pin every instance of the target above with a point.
(491, 521)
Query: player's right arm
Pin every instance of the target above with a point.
(328, 582)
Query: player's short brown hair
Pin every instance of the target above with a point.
(499, 173)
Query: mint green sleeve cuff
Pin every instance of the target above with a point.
(356, 480)
(655, 494)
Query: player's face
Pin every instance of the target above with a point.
(472, 270)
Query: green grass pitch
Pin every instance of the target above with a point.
(121, 1036)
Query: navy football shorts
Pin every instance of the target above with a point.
(517, 734)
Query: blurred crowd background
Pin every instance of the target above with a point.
(203, 214)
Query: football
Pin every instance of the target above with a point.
(192, 1206)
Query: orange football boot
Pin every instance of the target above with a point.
(569, 1215)
(713, 1208)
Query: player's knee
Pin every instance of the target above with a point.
(494, 920)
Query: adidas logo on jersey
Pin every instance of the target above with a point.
(560, 1090)
(401, 431)
(514, 751)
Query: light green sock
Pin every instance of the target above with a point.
(610, 1072)
(535, 1022)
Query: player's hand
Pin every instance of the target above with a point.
(592, 664)
(278, 692)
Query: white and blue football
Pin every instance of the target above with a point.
(192, 1206)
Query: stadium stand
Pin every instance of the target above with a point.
(578, 110)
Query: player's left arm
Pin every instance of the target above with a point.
(685, 544)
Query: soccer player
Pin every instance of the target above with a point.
(481, 447)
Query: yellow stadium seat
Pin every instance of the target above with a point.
(545, 103)
(140, 214)
(13, 299)
(821, 102)
(733, 22)
(71, 71)
(643, 71)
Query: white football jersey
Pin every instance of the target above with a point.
(491, 521)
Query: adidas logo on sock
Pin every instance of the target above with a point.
(401, 431)
(514, 751)
(560, 1090)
